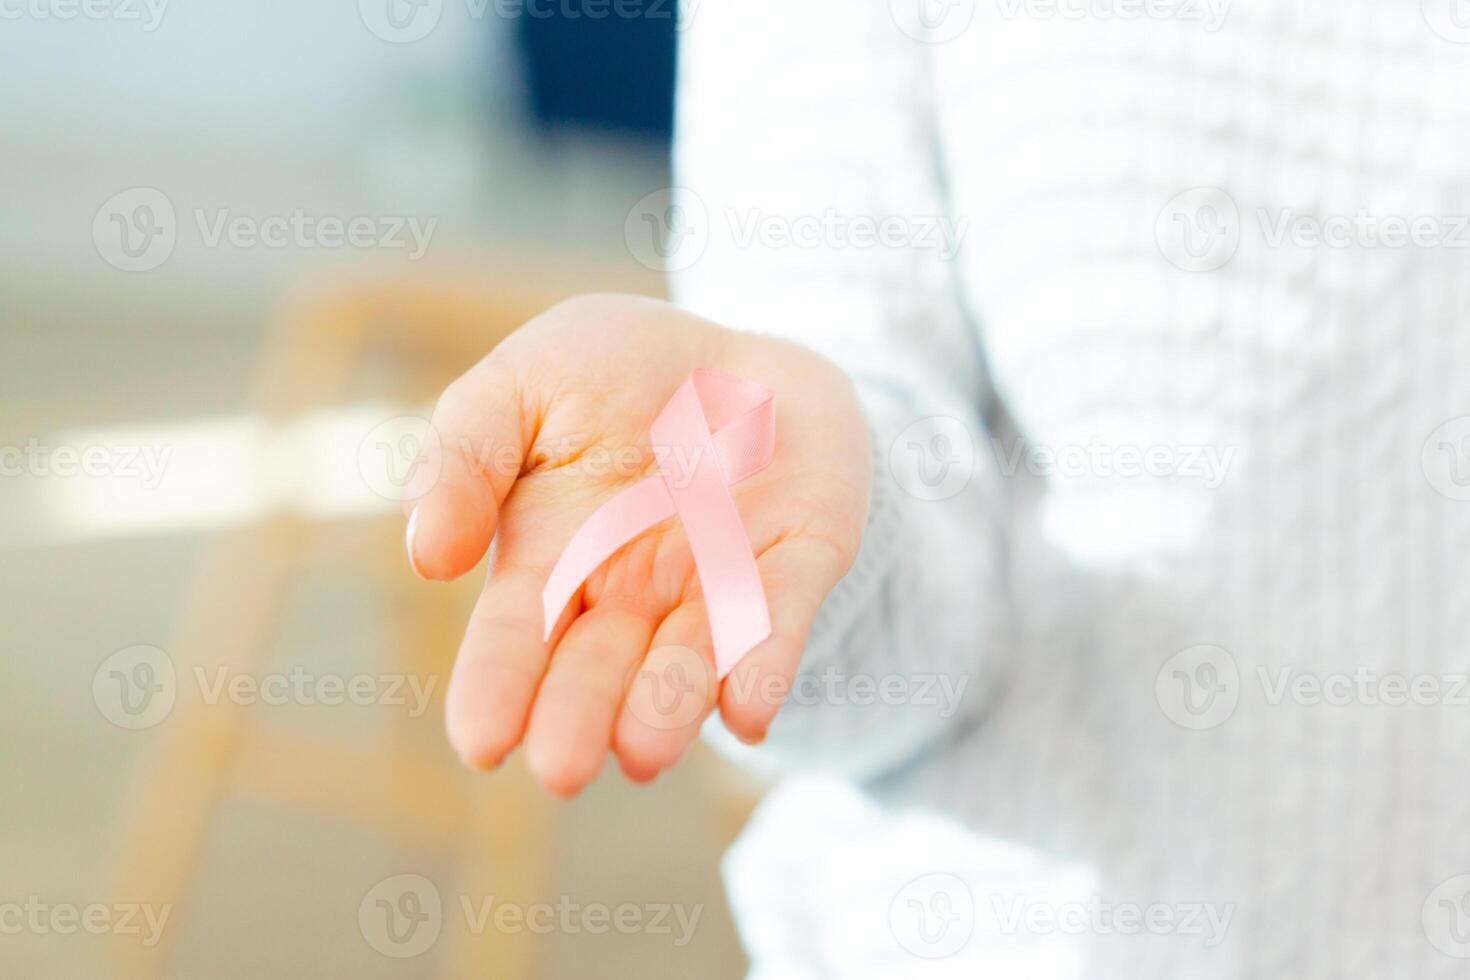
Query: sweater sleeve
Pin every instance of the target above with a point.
(807, 165)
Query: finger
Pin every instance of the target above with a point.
(672, 692)
(798, 573)
(480, 429)
(572, 721)
(500, 665)
(637, 775)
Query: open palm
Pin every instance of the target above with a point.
(537, 436)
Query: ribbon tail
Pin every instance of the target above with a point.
(733, 594)
(611, 526)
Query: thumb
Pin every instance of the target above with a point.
(478, 437)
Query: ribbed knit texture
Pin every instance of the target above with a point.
(1326, 547)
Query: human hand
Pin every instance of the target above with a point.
(534, 438)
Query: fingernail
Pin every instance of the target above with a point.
(413, 518)
(752, 741)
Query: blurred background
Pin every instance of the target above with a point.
(244, 246)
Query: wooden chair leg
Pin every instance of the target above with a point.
(238, 587)
(506, 853)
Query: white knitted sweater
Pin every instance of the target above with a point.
(1175, 685)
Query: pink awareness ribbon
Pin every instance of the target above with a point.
(715, 431)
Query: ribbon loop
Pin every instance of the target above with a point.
(715, 431)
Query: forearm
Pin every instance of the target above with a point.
(903, 648)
